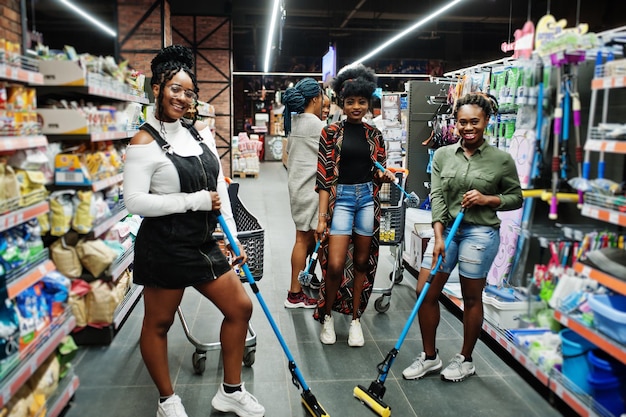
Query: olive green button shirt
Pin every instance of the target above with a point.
(489, 170)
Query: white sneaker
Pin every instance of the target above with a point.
(458, 370)
(172, 407)
(328, 336)
(355, 336)
(241, 403)
(422, 366)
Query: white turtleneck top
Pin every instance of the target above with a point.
(151, 182)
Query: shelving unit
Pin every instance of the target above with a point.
(582, 404)
(21, 367)
(46, 344)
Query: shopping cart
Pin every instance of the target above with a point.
(392, 233)
(251, 235)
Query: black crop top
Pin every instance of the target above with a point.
(356, 162)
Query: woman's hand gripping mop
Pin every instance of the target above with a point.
(411, 200)
(308, 399)
(373, 396)
(305, 277)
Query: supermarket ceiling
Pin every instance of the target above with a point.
(470, 32)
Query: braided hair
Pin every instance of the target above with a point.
(487, 102)
(167, 63)
(355, 81)
(299, 96)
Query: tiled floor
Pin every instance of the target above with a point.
(114, 381)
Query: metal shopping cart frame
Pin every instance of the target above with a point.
(391, 234)
(252, 237)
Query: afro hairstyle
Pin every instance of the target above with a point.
(355, 81)
(169, 59)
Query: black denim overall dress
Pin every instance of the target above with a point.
(179, 250)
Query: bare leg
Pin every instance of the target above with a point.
(229, 296)
(362, 247)
(472, 291)
(337, 250)
(429, 313)
(305, 243)
(159, 309)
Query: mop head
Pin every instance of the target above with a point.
(304, 278)
(412, 200)
(313, 407)
(372, 401)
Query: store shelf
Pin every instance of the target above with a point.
(582, 404)
(13, 143)
(67, 387)
(608, 216)
(11, 73)
(607, 280)
(46, 345)
(602, 83)
(93, 137)
(105, 225)
(610, 346)
(107, 182)
(116, 269)
(16, 286)
(23, 215)
(602, 145)
(126, 306)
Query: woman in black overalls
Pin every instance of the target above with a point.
(175, 247)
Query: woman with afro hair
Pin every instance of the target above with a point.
(349, 209)
(174, 179)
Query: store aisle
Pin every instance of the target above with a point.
(114, 381)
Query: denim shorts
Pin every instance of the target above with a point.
(354, 210)
(474, 248)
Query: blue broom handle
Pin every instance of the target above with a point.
(246, 270)
(420, 299)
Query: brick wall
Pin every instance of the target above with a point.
(11, 27)
(148, 38)
(211, 38)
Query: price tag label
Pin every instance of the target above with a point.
(607, 82)
(610, 146)
(614, 218)
(619, 82)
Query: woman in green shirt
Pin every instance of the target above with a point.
(482, 179)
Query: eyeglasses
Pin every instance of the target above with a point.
(177, 90)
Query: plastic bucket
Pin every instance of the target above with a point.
(606, 391)
(575, 366)
(603, 365)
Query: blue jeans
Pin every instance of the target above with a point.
(354, 210)
(473, 247)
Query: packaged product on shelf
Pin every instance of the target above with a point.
(9, 334)
(56, 289)
(65, 258)
(95, 256)
(71, 169)
(28, 314)
(45, 380)
(101, 302)
(32, 186)
(78, 293)
(9, 188)
(61, 212)
(84, 211)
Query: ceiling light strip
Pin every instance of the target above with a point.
(408, 30)
(89, 17)
(270, 36)
(318, 74)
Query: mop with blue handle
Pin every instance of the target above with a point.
(411, 200)
(308, 399)
(372, 397)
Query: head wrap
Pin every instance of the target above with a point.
(297, 97)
